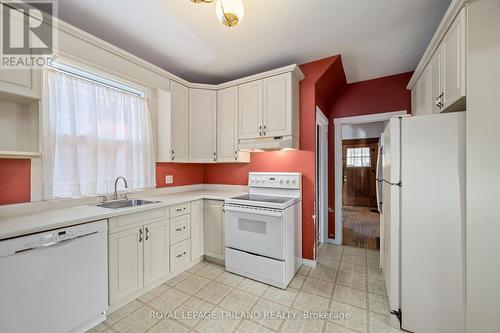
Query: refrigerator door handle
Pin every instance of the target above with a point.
(379, 180)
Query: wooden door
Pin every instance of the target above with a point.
(179, 122)
(214, 229)
(250, 110)
(359, 164)
(202, 125)
(125, 263)
(156, 251)
(277, 113)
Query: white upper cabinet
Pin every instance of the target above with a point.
(269, 112)
(434, 81)
(180, 122)
(227, 127)
(444, 72)
(277, 112)
(222, 123)
(202, 125)
(172, 121)
(250, 110)
(453, 59)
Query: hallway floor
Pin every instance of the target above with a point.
(361, 227)
(346, 281)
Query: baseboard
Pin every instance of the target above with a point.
(309, 262)
(215, 260)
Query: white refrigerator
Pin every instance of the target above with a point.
(421, 187)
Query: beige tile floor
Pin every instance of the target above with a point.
(346, 280)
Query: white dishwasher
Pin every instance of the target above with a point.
(55, 281)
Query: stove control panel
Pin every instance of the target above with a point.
(290, 180)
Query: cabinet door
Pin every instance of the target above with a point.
(277, 112)
(435, 85)
(156, 251)
(453, 58)
(197, 229)
(125, 263)
(227, 127)
(179, 122)
(250, 110)
(214, 229)
(202, 125)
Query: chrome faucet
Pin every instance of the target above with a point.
(115, 196)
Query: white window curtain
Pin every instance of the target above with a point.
(91, 135)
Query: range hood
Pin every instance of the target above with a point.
(269, 144)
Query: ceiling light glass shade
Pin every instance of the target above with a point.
(229, 12)
(200, 1)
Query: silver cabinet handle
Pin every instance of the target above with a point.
(180, 255)
(148, 236)
(440, 101)
(215, 156)
(260, 130)
(264, 129)
(235, 155)
(173, 155)
(140, 235)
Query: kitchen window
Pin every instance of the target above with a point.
(94, 130)
(358, 157)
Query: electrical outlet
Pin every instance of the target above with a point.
(169, 179)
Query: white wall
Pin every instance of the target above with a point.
(363, 131)
(483, 167)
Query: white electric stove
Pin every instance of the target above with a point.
(263, 229)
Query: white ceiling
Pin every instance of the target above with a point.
(375, 37)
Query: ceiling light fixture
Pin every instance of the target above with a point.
(229, 12)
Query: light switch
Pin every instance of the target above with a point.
(169, 179)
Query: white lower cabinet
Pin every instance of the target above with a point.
(197, 229)
(180, 256)
(138, 251)
(125, 264)
(180, 228)
(147, 248)
(214, 229)
(156, 251)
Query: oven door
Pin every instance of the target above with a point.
(255, 230)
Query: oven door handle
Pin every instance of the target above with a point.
(249, 210)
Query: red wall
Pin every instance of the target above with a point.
(184, 174)
(302, 160)
(15, 181)
(379, 95)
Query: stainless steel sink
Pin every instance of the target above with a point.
(117, 204)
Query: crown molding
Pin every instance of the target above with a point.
(91, 39)
(448, 18)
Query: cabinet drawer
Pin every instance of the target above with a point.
(180, 228)
(128, 221)
(180, 256)
(180, 209)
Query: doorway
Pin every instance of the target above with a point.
(359, 220)
(361, 226)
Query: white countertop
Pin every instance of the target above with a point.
(18, 225)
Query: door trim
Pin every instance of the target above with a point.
(338, 122)
(321, 197)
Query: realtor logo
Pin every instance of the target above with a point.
(28, 33)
